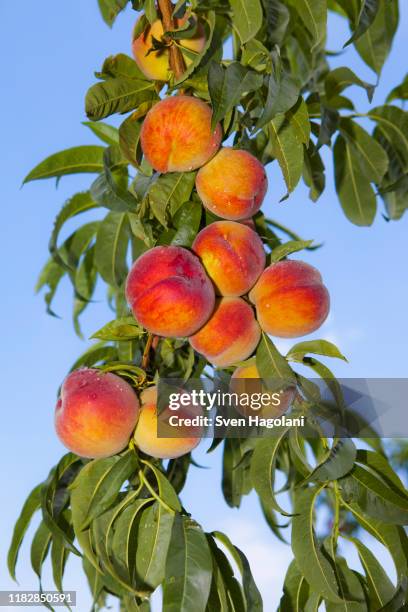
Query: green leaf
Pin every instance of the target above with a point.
(236, 480)
(94, 354)
(380, 464)
(79, 203)
(83, 490)
(287, 149)
(227, 85)
(263, 467)
(298, 116)
(283, 93)
(110, 485)
(124, 328)
(40, 547)
(187, 221)
(154, 534)
(117, 95)
(400, 92)
(311, 562)
(110, 9)
(375, 497)
(340, 78)
(271, 364)
(283, 250)
(246, 18)
(355, 193)
(251, 592)
(129, 137)
(277, 19)
(169, 192)
(59, 557)
(111, 247)
(295, 591)
(105, 132)
(338, 463)
(380, 586)
(313, 172)
(393, 124)
(373, 158)
(313, 14)
(108, 191)
(375, 44)
(31, 505)
(226, 592)
(77, 160)
(368, 13)
(316, 347)
(188, 569)
(84, 283)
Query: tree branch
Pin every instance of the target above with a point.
(177, 64)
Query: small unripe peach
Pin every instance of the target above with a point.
(146, 434)
(230, 335)
(291, 299)
(169, 292)
(246, 380)
(155, 64)
(232, 255)
(233, 184)
(96, 413)
(176, 134)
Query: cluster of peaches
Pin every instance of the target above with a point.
(219, 294)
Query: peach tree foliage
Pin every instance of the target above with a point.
(278, 98)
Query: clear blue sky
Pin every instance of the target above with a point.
(50, 50)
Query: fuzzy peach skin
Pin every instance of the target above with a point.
(233, 184)
(230, 335)
(169, 292)
(155, 64)
(176, 135)
(146, 435)
(246, 380)
(290, 299)
(96, 413)
(232, 255)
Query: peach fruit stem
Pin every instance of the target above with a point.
(146, 352)
(176, 59)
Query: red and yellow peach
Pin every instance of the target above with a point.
(230, 335)
(146, 435)
(232, 255)
(96, 413)
(176, 134)
(233, 184)
(290, 299)
(155, 63)
(169, 292)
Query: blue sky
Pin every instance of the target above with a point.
(50, 51)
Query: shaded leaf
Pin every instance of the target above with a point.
(246, 18)
(111, 248)
(287, 149)
(31, 505)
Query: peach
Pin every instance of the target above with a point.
(290, 299)
(233, 184)
(146, 434)
(232, 255)
(96, 413)
(176, 135)
(169, 292)
(155, 64)
(230, 335)
(246, 380)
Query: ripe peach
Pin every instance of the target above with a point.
(176, 134)
(291, 299)
(146, 434)
(233, 184)
(246, 380)
(230, 335)
(96, 413)
(155, 64)
(232, 254)
(169, 292)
